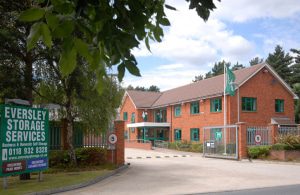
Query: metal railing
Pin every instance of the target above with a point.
(161, 144)
(287, 130)
(259, 135)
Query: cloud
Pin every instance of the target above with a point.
(245, 10)
(166, 76)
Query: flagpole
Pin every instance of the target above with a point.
(225, 109)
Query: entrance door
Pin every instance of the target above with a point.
(177, 135)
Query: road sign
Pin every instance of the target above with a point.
(257, 139)
(112, 138)
(23, 139)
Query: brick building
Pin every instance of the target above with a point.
(261, 98)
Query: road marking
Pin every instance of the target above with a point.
(148, 157)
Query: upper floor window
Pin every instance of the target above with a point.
(279, 105)
(125, 116)
(195, 108)
(133, 117)
(248, 104)
(216, 105)
(177, 110)
(160, 115)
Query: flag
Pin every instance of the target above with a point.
(230, 78)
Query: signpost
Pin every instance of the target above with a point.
(112, 139)
(24, 135)
(257, 139)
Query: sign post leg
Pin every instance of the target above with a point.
(112, 157)
(4, 182)
(40, 177)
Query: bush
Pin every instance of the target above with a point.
(288, 139)
(90, 156)
(258, 151)
(85, 157)
(281, 146)
(186, 146)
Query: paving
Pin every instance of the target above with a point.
(190, 173)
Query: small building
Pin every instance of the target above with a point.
(261, 97)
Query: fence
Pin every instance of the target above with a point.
(259, 136)
(285, 130)
(81, 138)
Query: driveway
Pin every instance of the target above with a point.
(171, 172)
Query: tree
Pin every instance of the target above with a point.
(208, 75)
(130, 87)
(255, 61)
(198, 78)
(218, 68)
(108, 30)
(153, 88)
(296, 88)
(295, 68)
(281, 62)
(238, 66)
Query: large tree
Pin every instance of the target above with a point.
(295, 68)
(106, 31)
(255, 61)
(281, 62)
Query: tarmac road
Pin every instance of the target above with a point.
(171, 172)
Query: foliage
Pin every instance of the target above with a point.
(152, 88)
(198, 78)
(255, 61)
(295, 68)
(237, 66)
(289, 139)
(85, 157)
(186, 146)
(281, 146)
(281, 62)
(106, 31)
(258, 151)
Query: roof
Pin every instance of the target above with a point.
(282, 121)
(207, 88)
(143, 99)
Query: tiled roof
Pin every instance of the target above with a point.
(205, 88)
(202, 89)
(143, 99)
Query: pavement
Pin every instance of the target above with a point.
(171, 172)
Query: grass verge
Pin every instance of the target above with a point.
(50, 181)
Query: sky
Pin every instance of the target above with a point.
(237, 31)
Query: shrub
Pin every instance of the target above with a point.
(186, 146)
(281, 146)
(258, 151)
(288, 139)
(91, 156)
(85, 157)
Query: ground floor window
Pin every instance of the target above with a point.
(194, 134)
(177, 134)
(216, 134)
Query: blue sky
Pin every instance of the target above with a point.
(238, 30)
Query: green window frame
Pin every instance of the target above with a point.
(195, 134)
(194, 108)
(133, 117)
(125, 116)
(177, 110)
(216, 105)
(177, 134)
(249, 104)
(279, 105)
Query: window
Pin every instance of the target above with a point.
(216, 105)
(195, 108)
(125, 116)
(160, 115)
(177, 110)
(194, 134)
(133, 117)
(248, 104)
(177, 134)
(279, 105)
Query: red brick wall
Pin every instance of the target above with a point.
(266, 89)
(129, 107)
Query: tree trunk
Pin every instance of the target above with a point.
(70, 134)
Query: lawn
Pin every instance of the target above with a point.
(50, 181)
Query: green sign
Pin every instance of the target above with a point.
(218, 135)
(24, 135)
